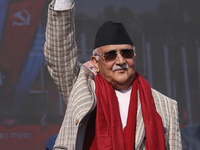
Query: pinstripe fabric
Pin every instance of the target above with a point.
(76, 85)
(167, 109)
(60, 47)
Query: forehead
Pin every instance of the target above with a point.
(107, 48)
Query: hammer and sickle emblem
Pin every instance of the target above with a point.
(23, 20)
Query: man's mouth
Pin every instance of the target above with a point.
(120, 69)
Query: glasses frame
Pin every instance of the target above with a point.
(103, 56)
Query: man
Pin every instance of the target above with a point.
(191, 137)
(116, 109)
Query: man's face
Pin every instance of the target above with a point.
(119, 72)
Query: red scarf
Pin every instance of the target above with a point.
(108, 132)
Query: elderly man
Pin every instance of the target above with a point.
(114, 110)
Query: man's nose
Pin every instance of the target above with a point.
(120, 59)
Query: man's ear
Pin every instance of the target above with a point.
(135, 56)
(95, 63)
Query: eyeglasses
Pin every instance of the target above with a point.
(111, 55)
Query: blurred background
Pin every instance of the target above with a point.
(166, 34)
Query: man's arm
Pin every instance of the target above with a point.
(168, 110)
(174, 130)
(60, 48)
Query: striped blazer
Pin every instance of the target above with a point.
(76, 85)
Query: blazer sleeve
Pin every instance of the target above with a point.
(174, 129)
(60, 49)
(168, 110)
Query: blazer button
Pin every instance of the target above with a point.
(76, 121)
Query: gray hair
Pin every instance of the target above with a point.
(95, 53)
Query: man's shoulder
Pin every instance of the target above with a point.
(192, 130)
(85, 72)
(90, 67)
(191, 137)
(161, 97)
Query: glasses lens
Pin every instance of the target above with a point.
(111, 55)
(127, 53)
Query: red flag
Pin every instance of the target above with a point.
(20, 27)
(23, 137)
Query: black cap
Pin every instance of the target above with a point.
(111, 33)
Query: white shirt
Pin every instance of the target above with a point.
(63, 4)
(123, 100)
